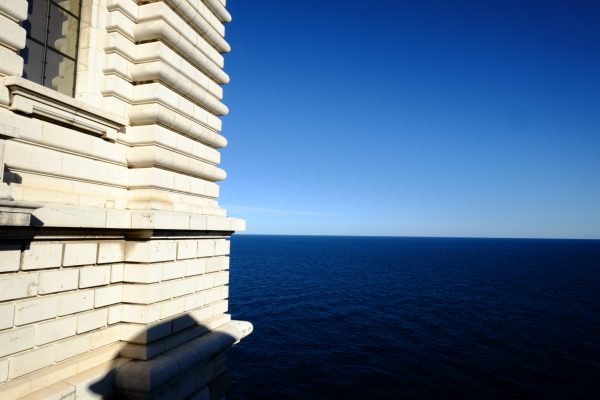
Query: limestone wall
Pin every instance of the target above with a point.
(113, 246)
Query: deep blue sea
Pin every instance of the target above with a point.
(415, 318)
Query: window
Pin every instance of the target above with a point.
(50, 55)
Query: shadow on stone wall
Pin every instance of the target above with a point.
(176, 359)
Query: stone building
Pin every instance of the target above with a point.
(114, 251)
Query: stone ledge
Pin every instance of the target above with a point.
(139, 54)
(201, 23)
(147, 376)
(104, 371)
(158, 113)
(156, 135)
(178, 81)
(17, 213)
(62, 216)
(154, 156)
(218, 9)
(30, 98)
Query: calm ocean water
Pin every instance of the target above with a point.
(415, 318)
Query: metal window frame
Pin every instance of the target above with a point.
(47, 35)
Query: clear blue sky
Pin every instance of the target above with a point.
(418, 118)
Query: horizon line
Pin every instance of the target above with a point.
(418, 237)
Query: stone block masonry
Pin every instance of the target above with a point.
(114, 251)
(144, 298)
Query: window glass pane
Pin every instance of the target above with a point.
(35, 25)
(32, 54)
(70, 5)
(53, 27)
(60, 73)
(63, 30)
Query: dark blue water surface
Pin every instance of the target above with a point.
(415, 318)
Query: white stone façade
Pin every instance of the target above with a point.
(114, 251)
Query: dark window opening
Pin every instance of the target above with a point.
(50, 54)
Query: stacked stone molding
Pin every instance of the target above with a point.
(12, 36)
(114, 250)
(149, 80)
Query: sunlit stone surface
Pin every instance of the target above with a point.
(114, 251)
